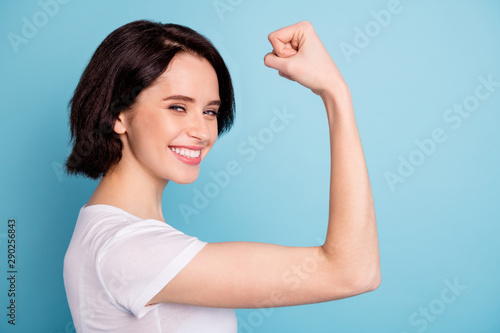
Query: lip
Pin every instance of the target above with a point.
(189, 147)
(189, 161)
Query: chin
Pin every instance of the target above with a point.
(184, 180)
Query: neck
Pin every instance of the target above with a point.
(135, 191)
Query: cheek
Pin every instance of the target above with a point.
(150, 134)
(215, 128)
(213, 132)
(160, 127)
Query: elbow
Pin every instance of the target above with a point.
(352, 277)
(370, 281)
(364, 281)
(374, 282)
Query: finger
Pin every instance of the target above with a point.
(273, 61)
(285, 41)
(289, 50)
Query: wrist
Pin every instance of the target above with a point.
(337, 99)
(336, 91)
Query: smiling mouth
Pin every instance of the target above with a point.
(188, 153)
(187, 156)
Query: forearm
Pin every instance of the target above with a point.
(351, 242)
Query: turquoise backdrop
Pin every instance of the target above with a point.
(425, 81)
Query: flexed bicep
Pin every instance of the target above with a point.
(256, 275)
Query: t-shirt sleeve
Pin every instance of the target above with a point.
(140, 259)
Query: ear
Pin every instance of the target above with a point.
(120, 124)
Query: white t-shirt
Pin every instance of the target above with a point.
(117, 262)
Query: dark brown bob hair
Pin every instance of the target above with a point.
(127, 61)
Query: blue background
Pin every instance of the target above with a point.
(439, 226)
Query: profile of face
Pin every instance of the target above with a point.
(174, 122)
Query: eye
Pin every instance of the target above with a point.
(212, 112)
(176, 107)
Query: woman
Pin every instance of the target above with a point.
(148, 108)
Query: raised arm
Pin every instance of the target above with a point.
(250, 275)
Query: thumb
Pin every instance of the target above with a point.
(273, 61)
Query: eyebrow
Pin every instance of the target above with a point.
(189, 99)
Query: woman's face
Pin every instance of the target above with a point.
(174, 123)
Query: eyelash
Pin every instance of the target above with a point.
(175, 107)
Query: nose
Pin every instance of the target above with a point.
(198, 128)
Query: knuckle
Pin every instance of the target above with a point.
(271, 36)
(306, 23)
(307, 26)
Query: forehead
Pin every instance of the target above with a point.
(189, 75)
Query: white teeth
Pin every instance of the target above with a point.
(186, 152)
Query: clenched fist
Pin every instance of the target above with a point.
(299, 55)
